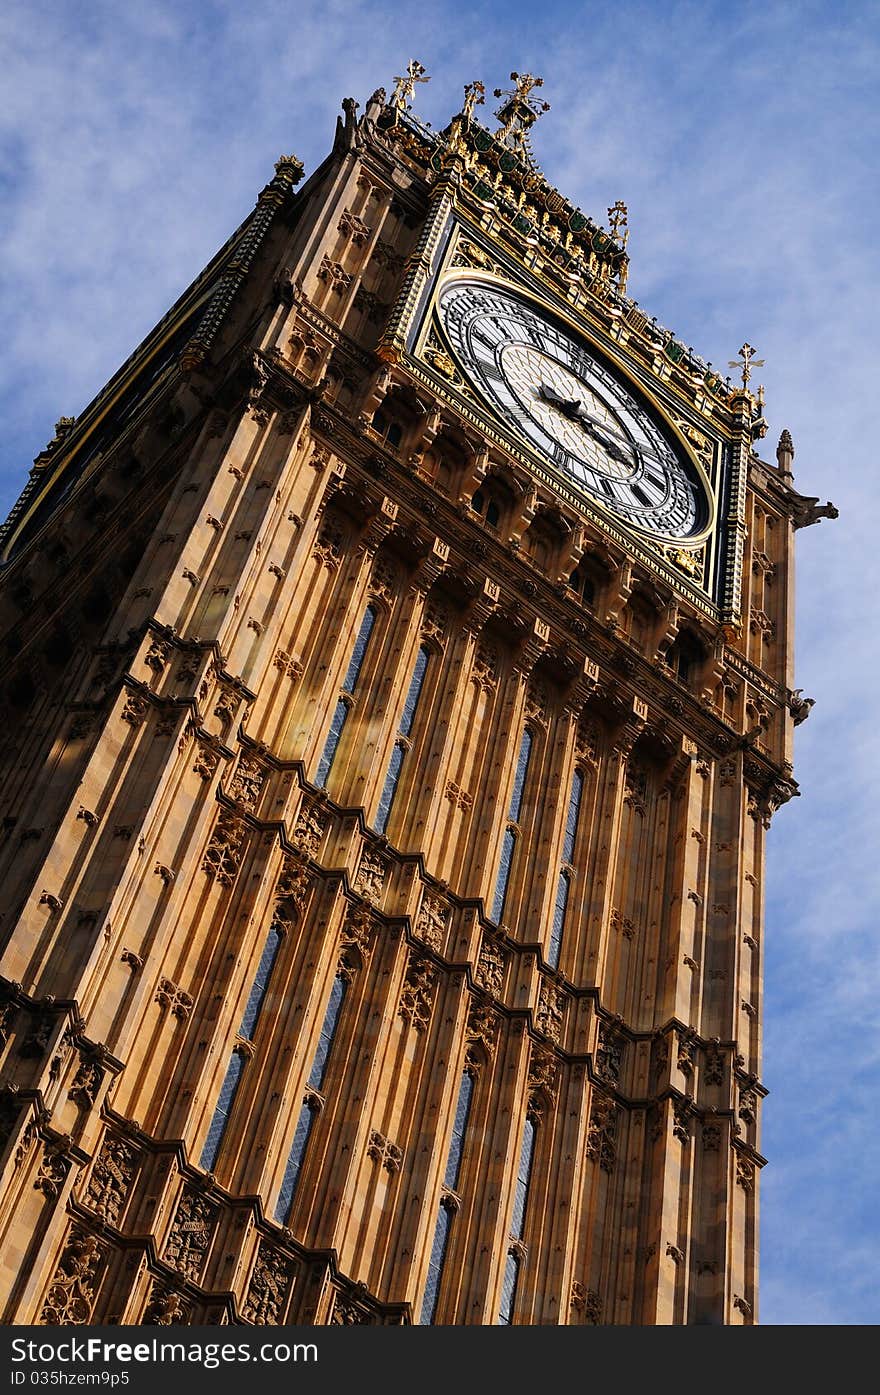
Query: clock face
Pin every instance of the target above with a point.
(570, 406)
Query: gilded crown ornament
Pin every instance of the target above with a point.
(746, 353)
(405, 86)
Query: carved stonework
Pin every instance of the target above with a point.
(168, 995)
(602, 1131)
(711, 1138)
(335, 276)
(111, 1177)
(537, 705)
(417, 995)
(385, 581)
(748, 1104)
(370, 879)
(609, 1054)
(348, 1311)
(310, 828)
(687, 1052)
(482, 1031)
(745, 1173)
(53, 1169)
(71, 1294)
(491, 967)
(269, 1287)
(354, 227)
(636, 787)
(135, 710)
(587, 743)
(485, 668)
(381, 1150)
(432, 922)
(294, 882)
(543, 1073)
(622, 924)
(165, 1308)
(587, 1303)
(330, 544)
(357, 931)
(288, 665)
(435, 621)
(682, 1110)
(551, 1007)
(88, 1080)
(247, 781)
(37, 1039)
(206, 759)
(191, 1233)
(223, 854)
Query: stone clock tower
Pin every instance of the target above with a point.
(397, 686)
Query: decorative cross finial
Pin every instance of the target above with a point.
(474, 96)
(520, 110)
(617, 215)
(405, 86)
(749, 362)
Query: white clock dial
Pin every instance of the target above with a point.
(549, 387)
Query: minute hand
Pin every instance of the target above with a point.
(617, 446)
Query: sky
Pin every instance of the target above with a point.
(743, 138)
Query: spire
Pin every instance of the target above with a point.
(785, 454)
(519, 112)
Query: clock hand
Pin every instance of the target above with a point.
(570, 407)
(618, 447)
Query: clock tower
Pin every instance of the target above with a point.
(398, 688)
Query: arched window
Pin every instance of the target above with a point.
(388, 427)
(508, 844)
(563, 886)
(310, 1104)
(349, 683)
(448, 1205)
(685, 657)
(517, 1223)
(486, 505)
(239, 1056)
(584, 585)
(401, 745)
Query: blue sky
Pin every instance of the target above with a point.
(743, 137)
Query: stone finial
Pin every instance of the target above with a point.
(785, 453)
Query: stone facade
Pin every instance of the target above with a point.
(197, 899)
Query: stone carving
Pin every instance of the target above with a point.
(417, 995)
(586, 1302)
(551, 1007)
(537, 704)
(681, 1119)
(226, 706)
(135, 710)
(223, 854)
(370, 879)
(71, 1294)
(482, 1029)
(36, 1042)
(687, 1051)
(191, 1234)
(543, 1075)
(357, 931)
(636, 787)
(247, 782)
(156, 656)
(745, 1173)
(435, 621)
(384, 582)
(711, 1138)
(294, 881)
(348, 1312)
(110, 1180)
(609, 1054)
(8, 1010)
(310, 828)
(288, 665)
(484, 671)
(354, 227)
(587, 743)
(622, 923)
(330, 543)
(165, 1308)
(748, 1104)
(334, 275)
(168, 995)
(269, 1286)
(675, 1254)
(602, 1130)
(53, 1169)
(743, 1306)
(713, 1071)
(381, 1150)
(432, 922)
(88, 1079)
(206, 760)
(458, 797)
(491, 966)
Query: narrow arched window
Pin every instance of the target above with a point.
(517, 1223)
(309, 1107)
(401, 745)
(563, 885)
(508, 844)
(343, 705)
(448, 1201)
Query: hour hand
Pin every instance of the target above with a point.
(570, 407)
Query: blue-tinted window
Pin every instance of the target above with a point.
(559, 910)
(571, 822)
(221, 1113)
(395, 763)
(456, 1145)
(508, 1291)
(435, 1265)
(260, 984)
(294, 1162)
(503, 878)
(307, 1112)
(349, 683)
(523, 1177)
(522, 766)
